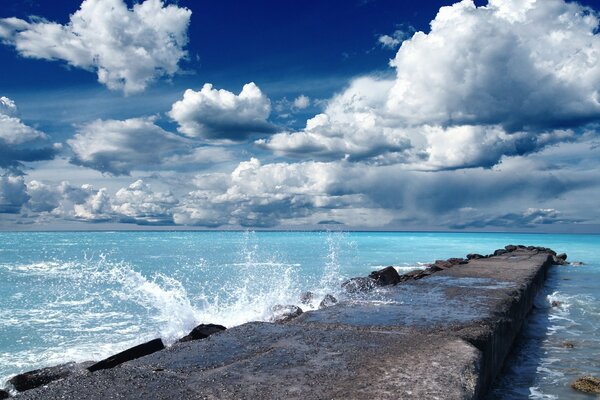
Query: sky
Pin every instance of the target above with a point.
(340, 114)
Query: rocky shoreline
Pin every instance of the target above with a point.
(345, 315)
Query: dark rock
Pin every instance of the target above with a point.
(531, 248)
(562, 256)
(510, 248)
(138, 351)
(556, 303)
(4, 394)
(568, 345)
(386, 276)
(356, 285)
(418, 274)
(474, 256)
(499, 252)
(285, 313)
(307, 298)
(545, 250)
(328, 301)
(587, 384)
(457, 261)
(558, 261)
(202, 332)
(440, 265)
(39, 377)
(411, 275)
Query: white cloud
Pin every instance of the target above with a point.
(222, 115)
(394, 40)
(515, 63)
(258, 195)
(486, 82)
(388, 41)
(554, 186)
(351, 127)
(8, 107)
(358, 194)
(301, 102)
(139, 204)
(96, 208)
(65, 201)
(18, 141)
(43, 197)
(12, 130)
(127, 48)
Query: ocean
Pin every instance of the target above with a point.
(79, 296)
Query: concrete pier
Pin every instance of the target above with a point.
(442, 337)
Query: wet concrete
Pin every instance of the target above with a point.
(445, 336)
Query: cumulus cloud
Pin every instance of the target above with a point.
(358, 194)
(139, 204)
(96, 208)
(136, 203)
(43, 197)
(19, 142)
(257, 195)
(350, 127)
(518, 64)
(218, 114)
(557, 185)
(127, 48)
(505, 79)
(13, 193)
(63, 200)
(119, 147)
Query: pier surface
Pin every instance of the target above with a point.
(442, 337)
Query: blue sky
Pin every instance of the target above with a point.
(361, 114)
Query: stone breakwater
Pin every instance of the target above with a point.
(442, 332)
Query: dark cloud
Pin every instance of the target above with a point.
(13, 193)
(119, 147)
(528, 219)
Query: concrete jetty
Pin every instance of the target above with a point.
(442, 337)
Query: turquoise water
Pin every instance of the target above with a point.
(77, 296)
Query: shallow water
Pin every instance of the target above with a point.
(85, 295)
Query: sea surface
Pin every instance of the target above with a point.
(78, 296)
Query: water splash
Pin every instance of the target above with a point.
(256, 283)
(95, 305)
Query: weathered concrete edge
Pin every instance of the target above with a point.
(496, 347)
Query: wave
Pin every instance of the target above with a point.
(95, 307)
